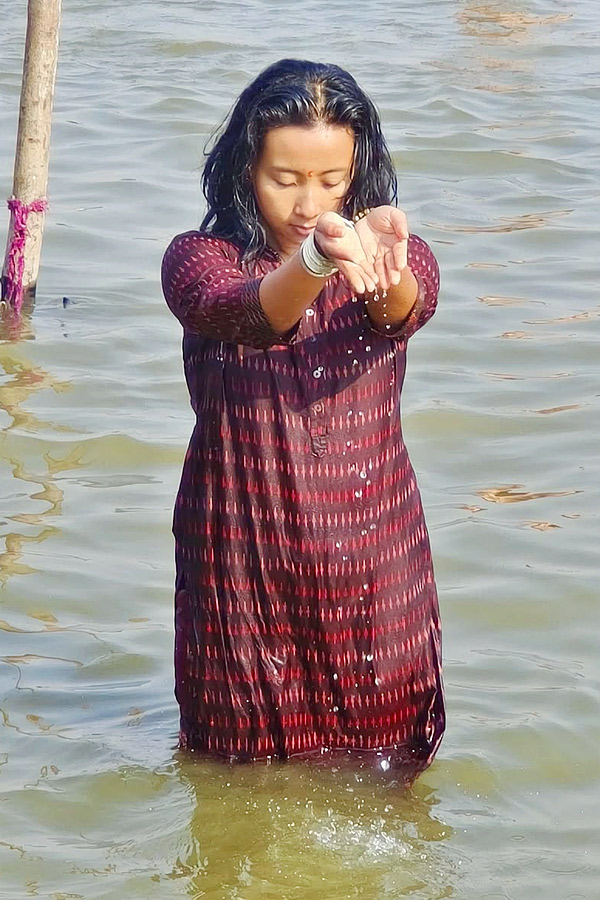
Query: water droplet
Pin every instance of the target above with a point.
(350, 352)
(388, 326)
(364, 531)
(358, 493)
(365, 587)
(310, 312)
(354, 362)
(318, 371)
(369, 657)
(367, 348)
(373, 526)
(349, 444)
(360, 337)
(335, 676)
(385, 764)
(363, 474)
(338, 544)
(336, 709)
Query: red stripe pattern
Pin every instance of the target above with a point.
(306, 611)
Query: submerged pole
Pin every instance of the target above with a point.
(30, 181)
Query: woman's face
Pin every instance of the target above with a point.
(303, 171)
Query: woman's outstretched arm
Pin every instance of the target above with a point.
(210, 294)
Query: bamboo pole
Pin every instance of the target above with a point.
(30, 181)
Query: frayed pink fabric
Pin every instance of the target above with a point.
(15, 257)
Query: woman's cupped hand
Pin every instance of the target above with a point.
(372, 252)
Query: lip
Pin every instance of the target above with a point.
(302, 230)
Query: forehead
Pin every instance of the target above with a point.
(318, 148)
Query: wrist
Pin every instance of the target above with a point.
(313, 260)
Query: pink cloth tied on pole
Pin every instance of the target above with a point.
(15, 257)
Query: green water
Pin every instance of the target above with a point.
(491, 110)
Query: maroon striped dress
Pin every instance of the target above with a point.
(306, 615)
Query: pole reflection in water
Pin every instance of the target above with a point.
(22, 382)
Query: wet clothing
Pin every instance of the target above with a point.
(306, 612)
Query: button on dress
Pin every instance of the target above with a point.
(306, 612)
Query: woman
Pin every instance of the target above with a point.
(306, 611)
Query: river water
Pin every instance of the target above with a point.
(491, 109)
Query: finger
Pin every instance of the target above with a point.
(393, 273)
(399, 223)
(347, 270)
(400, 251)
(369, 272)
(349, 249)
(365, 264)
(330, 229)
(370, 282)
(340, 254)
(380, 270)
(359, 280)
(369, 275)
(333, 225)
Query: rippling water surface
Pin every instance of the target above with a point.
(491, 111)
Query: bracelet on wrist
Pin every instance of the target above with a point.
(361, 214)
(313, 260)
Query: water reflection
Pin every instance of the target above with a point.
(10, 559)
(16, 327)
(22, 381)
(501, 27)
(51, 493)
(493, 21)
(299, 830)
(506, 224)
(513, 493)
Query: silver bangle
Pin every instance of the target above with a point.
(313, 261)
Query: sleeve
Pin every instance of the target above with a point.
(426, 270)
(210, 295)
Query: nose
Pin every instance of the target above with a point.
(307, 204)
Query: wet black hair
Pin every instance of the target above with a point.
(291, 92)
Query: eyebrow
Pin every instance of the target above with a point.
(283, 171)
